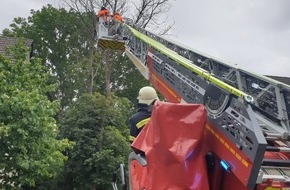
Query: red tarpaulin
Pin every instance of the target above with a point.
(172, 143)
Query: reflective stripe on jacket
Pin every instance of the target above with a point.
(138, 121)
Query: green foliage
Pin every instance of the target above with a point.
(19, 27)
(126, 80)
(131, 81)
(98, 127)
(29, 148)
(95, 123)
(62, 40)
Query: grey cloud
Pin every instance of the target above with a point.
(254, 34)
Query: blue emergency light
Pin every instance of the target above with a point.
(225, 165)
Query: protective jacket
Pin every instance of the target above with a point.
(104, 14)
(117, 17)
(138, 120)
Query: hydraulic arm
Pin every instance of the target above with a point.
(247, 128)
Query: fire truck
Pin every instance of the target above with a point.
(221, 127)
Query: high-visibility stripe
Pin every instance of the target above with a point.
(141, 123)
(110, 44)
(230, 149)
(131, 138)
(189, 64)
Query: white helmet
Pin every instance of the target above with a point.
(147, 95)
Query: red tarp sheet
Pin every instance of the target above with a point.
(172, 142)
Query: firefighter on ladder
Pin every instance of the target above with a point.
(117, 20)
(145, 100)
(104, 14)
(117, 17)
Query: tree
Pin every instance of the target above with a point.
(126, 79)
(98, 127)
(29, 150)
(151, 14)
(65, 41)
(148, 14)
(61, 40)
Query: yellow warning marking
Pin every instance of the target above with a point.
(244, 162)
(217, 136)
(227, 145)
(188, 64)
(111, 44)
(222, 140)
(238, 157)
(232, 151)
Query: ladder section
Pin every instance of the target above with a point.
(235, 118)
(231, 122)
(271, 103)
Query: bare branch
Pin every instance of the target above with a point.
(152, 14)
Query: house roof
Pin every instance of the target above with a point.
(10, 41)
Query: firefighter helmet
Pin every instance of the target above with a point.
(147, 95)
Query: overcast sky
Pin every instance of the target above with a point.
(252, 34)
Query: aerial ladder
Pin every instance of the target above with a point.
(247, 127)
